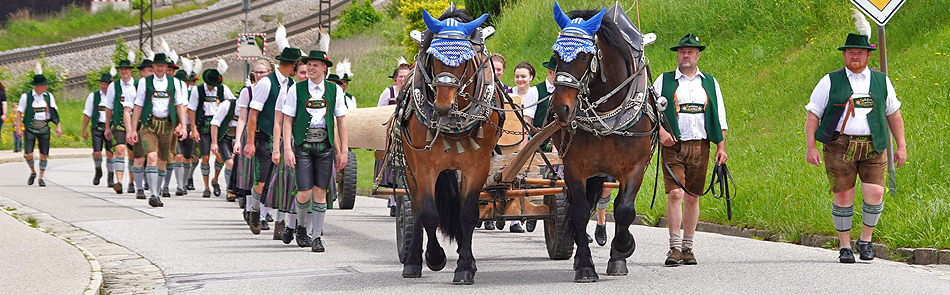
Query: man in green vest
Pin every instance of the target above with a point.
(120, 92)
(95, 111)
(202, 107)
(37, 109)
(314, 141)
(536, 115)
(159, 108)
(138, 152)
(850, 112)
(696, 117)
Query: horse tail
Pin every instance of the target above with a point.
(449, 204)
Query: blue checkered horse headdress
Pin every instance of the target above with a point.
(451, 43)
(577, 35)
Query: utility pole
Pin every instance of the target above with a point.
(145, 28)
(247, 10)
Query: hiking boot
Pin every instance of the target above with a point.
(303, 239)
(600, 234)
(516, 228)
(155, 202)
(217, 189)
(674, 257)
(117, 187)
(191, 184)
(317, 245)
(478, 224)
(95, 179)
(255, 222)
(131, 188)
(846, 256)
(206, 194)
(500, 225)
(140, 194)
(866, 250)
(530, 225)
(489, 225)
(110, 179)
(180, 192)
(278, 230)
(287, 236)
(32, 179)
(688, 257)
(42, 183)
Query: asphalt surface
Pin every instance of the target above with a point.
(203, 246)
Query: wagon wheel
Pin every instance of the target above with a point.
(403, 226)
(346, 183)
(558, 234)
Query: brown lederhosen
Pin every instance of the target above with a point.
(158, 136)
(847, 157)
(688, 160)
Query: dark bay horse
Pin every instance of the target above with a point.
(448, 131)
(600, 93)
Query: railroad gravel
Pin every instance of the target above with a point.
(188, 39)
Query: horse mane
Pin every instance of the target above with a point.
(609, 33)
(460, 15)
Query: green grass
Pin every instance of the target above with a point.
(768, 55)
(32, 221)
(75, 22)
(70, 113)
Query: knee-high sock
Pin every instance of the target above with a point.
(218, 166)
(118, 164)
(264, 210)
(191, 169)
(97, 162)
(43, 165)
(255, 200)
(205, 169)
(842, 217)
(319, 214)
(248, 200)
(151, 176)
(392, 201)
(165, 175)
(139, 174)
(227, 175)
(291, 220)
(180, 174)
(302, 209)
(871, 213)
(30, 163)
(110, 165)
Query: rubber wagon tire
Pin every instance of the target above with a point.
(346, 183)
(558, 234)
(404, 224)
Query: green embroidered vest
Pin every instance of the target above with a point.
(541, 113)
(711, 112)
(302, 118)
(226, 122)
(30, 113)
(146, 116)
(202, 123)
(117, 119)
(838, 97)
(265, 119)
(96, 99)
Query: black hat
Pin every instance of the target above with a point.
(105, 78)
(289, 54)
(333, 78)
(551, 64)
(173, 65)
(212, 77)
(690, 40)
(181, 75)
(161, 58)
(124, 64)
(146, 63)
(318, 55)
(346, 77)
(39, 80)
(857, 41)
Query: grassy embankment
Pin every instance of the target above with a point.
(76, 22)
(767, 56)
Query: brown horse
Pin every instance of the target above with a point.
(447, 131)
(601, 91)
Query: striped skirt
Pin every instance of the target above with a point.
(245, 171)
(282, 188)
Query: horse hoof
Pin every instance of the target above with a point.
(585, 275)
(412, 271)
(436, 263)
(464, 278)
(617, 267)
(622, 251)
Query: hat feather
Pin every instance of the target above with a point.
(163, 46)
(280, 37)
(324, 40)
(112, 71)
(187, 65)
(38, 68)
(343, 68)
(197, 66)
(173, 56)
(148, 53)
(861, 23)
(222, 66)
(401, 61)
(131, 56)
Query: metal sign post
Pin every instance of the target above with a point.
(247, 9)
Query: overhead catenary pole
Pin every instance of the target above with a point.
(891, 178)
(247, 9)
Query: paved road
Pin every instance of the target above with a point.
(202, 246)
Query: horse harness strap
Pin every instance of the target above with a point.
(721, 178)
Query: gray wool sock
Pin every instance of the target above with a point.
(119, 164)
(319, 214)
(687, 242)
(841, 216)
(97, 162)
(151, 176)
(676, 241)
(205, 169)
(227, 175)
(302, 209)
(110, 165)
(255, 201)
(165, 175)
(180, 174)
(871, 213)
(30, 163)
(218, 166)
(43, 165)
(139, 174)
(291, 219)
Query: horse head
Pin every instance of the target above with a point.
(452, 54)
(576, 51)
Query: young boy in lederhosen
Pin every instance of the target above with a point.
(120, 92)
(38, 109)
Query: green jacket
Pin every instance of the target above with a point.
(838, 97)
(302, 118)
(710, 113)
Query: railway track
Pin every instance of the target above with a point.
(228, 47)
(129, 35)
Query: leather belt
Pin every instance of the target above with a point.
(316, 135)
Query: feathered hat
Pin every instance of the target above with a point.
(107, 77)
(287, 53)
(400, 62)
(38, 78)
(862, 40)
(127, 62)
(147, 56)
(214, 77)
(343, 70)
(321, 54)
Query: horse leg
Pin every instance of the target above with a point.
(434, 255)
(423, 191)
(580, 214)
(443, 207)
(471, 189)
(625, 212)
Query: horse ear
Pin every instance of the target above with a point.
(432, 24)
(470, 27)
(593, 24)
(559, 16)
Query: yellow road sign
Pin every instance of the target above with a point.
(879, 10)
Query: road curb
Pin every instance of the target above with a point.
(70, 155)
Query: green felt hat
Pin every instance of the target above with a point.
(146, 63)
(105, 78)
(212, 77)
(39, 80)
(690, 40)
(857, 41)
(318, 55)
(333, 78)
(173, 65)
(289, 54)
(551, 64)
(346, 77)
(124, 64)
(161, 58)
(181, 75)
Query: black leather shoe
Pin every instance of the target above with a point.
(117, 187)
(516, 228)
(98, 177)
(165, 193)
(317, 245)
(478, 224)
(303, 239)
(180, 192)
(155, 202)
(110, 179)
(392, 211)
(530, 225)
(206, 194)
(268, 218)
(255, 222)
(140, 194)
(247, 217)
(589, 239)
(131, 189)
(500, 225)
(489, 225)
(288, 235)
(41, 182)
(846, 256)
(264, 225)
(145, 187)
(600, 234)
(32, 179)
(191, 184)
(866, 250)
(278, 229)
(217, 189)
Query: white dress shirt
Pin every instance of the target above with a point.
(387, 95)
(693, 126)
(262, 89)
(316, 94)
(128, 95)
(38, 102)
(532, 97)
(160, 98)
(223, 112)
(89, 108)
(860, 87)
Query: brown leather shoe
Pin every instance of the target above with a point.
(255, 222)
(674, 257)
(688, 257)
(278, 230)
